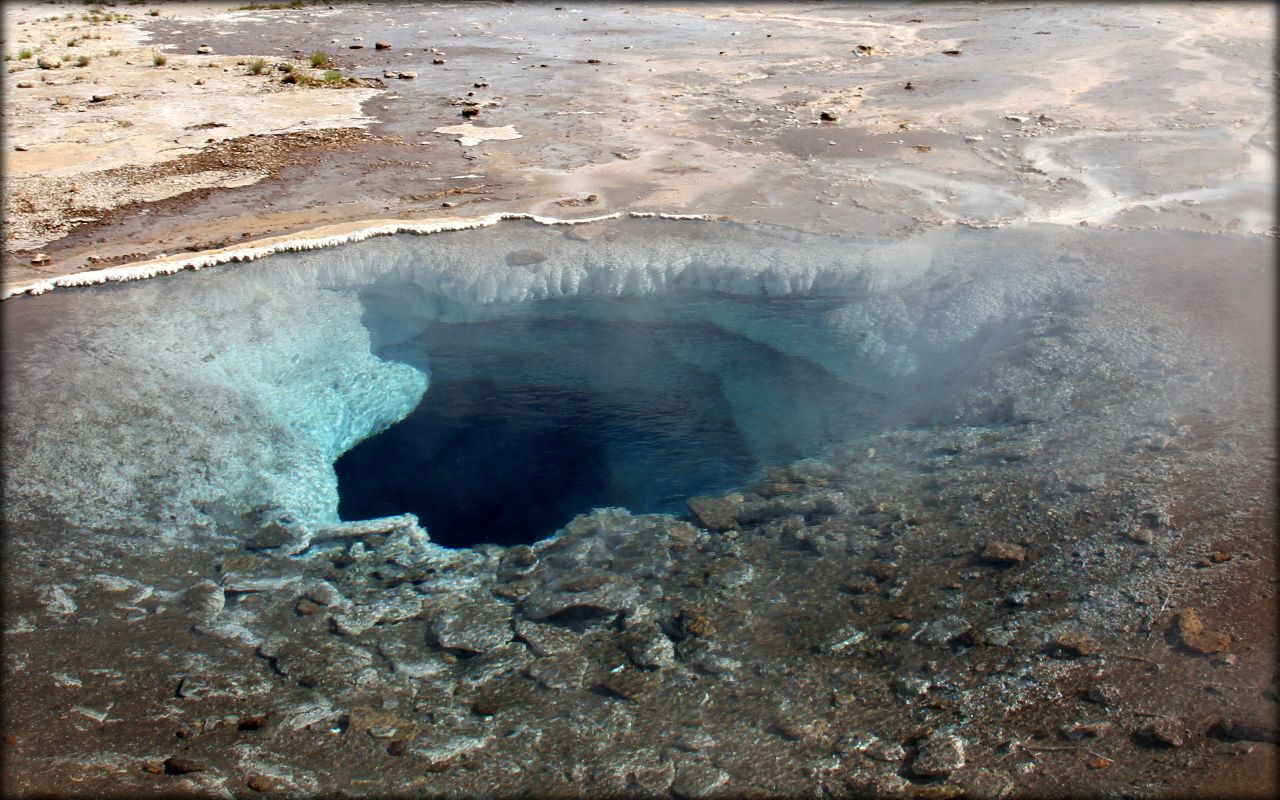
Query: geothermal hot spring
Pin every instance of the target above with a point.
(413, 510)
(497, 383)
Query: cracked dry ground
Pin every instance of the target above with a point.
(984, 628)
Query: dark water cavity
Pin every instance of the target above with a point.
(578, 404)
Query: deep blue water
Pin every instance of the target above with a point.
(532, 420)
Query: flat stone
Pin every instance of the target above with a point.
(998, 552)
(502, 660)
(564, 671)
(1195, 637)
(382, 45)
(611, 596)
(698, 780)
(716, 513)
(204, 49)
(524, 258)
(474, 624)
(944, 631)
(545, 639)
(939, 756)
(270, 536)
(647, 646)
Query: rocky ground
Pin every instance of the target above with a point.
(939, 610)
(807, 637)
(878, 120)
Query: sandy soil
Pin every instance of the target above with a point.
(1159, 117)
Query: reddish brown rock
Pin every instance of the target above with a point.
(1195, 637)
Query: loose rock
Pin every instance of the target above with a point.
(178, 765)
(939, 756)
(1162, 732)
(1193, 635)
(1075, 644)
(998, 552)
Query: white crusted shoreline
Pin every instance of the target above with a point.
(328, 236)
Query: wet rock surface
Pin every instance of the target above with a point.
(440, 688)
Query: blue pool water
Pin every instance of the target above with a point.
(530, 421)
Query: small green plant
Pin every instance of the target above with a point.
(257, 66)
(332, 77)
(159, 59)
(82, 61)
(66, 56)
(155, 12)
(319, 59)
(72, 42)
(115, 51)
(24, 53)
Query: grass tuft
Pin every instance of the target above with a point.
(159, 59)
(82, 61)
(257, 66)
(319, 59)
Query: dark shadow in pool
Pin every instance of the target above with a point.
(528, 423)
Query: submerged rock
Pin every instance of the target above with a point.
(603, 594)
(698, 780)
(939, 756)
(716, 513)
(1004, 553)
(472, 623)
